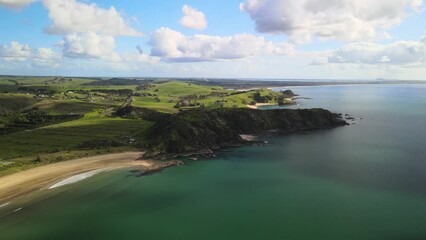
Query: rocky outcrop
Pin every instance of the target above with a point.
(288, 93)
(156, 167)
(205, 130)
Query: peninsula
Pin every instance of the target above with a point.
(48, 122)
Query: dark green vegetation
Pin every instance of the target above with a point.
(206, 130)
(49, 119)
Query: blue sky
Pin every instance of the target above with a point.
(223, 38)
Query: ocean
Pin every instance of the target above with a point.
(363, 181)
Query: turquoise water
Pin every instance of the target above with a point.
(364, 181)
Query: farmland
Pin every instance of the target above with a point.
(50, 119)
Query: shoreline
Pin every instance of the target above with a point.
(261, 104)
(21, 184)
(289, 84)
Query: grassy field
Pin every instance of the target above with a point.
(66, 136)
(68, 106)
(240, 100)
(149, 102)
(63, 141)
(182, 89)
(164, 96)
(60, 141)
(15, 102)
(160, 95)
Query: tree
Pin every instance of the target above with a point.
(257, 97)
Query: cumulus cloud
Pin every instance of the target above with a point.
(16, 52)
(193, 18)
(130, 58)
(319, 61)
(397, 53)
(89, 45)
(328, 19)
(282, 48)
(15, 4)
(71, 16)
(171, 45)
(44, 57)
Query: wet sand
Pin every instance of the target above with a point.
(20, 184)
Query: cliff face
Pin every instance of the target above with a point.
(194, 130)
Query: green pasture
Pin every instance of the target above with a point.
(182, 89)
(15, 102)
(67, 136)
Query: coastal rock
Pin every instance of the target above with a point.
(288, 93)
(248, 137)
(192, 131)
(156, 167)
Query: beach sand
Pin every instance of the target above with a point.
(20, 184)
(261, 104)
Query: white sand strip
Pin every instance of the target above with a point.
(4, 205)
(25, 182)
(78, 178)
(18, 209)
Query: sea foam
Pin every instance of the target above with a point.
(4, 205)
(77, 178)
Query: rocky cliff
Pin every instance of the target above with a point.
(204, 130)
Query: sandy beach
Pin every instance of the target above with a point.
(22, 183)
(261, 104)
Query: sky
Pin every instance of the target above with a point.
(281, 39)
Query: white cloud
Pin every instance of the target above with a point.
(138, 57)
(46, 57)
(133, 61)
(132, 57)
(319, 61)
(328, 19)
(89, 45)
(15, 52)
(70, 16)
(193, 18)
(171, 45)
(15, 4)
(46, 53)
(20, 53)
(282, 48)
(397, 53)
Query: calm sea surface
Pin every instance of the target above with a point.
(364, 181)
